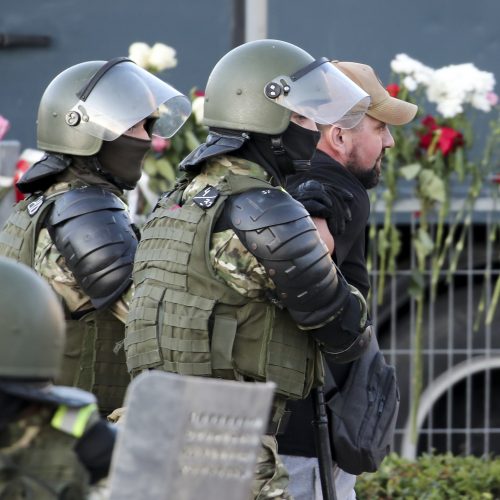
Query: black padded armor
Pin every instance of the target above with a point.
(217, 143)
(278, 231)
(41, 174)
(92, 230)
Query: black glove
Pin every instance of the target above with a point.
(327, 202)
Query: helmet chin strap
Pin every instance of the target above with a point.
(284, 162)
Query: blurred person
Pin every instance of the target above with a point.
(53, 443)
(232, 278)
(348, 162)
(95, 122)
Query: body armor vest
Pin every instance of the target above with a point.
(184, 319)
(37, 460)
(89, 361)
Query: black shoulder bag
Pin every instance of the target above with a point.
(362, 413)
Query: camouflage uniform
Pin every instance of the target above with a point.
(239, 270)
(93, 337)
(233, 263)
(37, 458)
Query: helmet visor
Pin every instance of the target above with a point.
(322, 93)
(124, 95)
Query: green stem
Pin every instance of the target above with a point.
(494, 302)
(437, 263)
(417, 377)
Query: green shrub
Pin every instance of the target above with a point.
(432, 477)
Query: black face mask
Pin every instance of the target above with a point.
(280, 155)
(122, 159)
(300, 144)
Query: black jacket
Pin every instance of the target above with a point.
(349, 254)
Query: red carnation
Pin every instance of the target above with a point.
(393, 89)
(449, 138)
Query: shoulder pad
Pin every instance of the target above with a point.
(83, 201)
(93, 232)
(260, 208)
(36, 177)
(215, 145)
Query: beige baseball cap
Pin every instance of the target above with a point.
(383, 107)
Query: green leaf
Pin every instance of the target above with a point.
(411, 171)
(166, 169)
(423, 243)
(149, 165)
(417, 284)
(192, 141)
(431, 186)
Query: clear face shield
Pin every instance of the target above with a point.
(120, 95)
(322, 93)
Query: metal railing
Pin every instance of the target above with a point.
(459, 408)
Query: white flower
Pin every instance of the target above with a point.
(451, 87)
(481, 102)
(404, 64)
(197, 107)
(410, 83)
(162, 57)
(416, 72)
(139, 53)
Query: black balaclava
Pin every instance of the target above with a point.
(279, 155)
(122, 160)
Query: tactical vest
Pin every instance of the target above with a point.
(37, 457)
(184, 319)
(89, 360)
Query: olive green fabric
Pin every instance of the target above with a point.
(38, 461)
(184, 319)
(90, 359)
(20, 232)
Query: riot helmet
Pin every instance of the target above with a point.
(32, 339)
(256, 86)
(99, 101)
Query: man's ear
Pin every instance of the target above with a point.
(336, 138)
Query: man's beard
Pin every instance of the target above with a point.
(369, 178)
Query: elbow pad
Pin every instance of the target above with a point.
(91, 229)
(278, 231)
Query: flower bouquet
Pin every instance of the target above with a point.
(442, 158)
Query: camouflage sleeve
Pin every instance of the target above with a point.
(237, 267)
(50, 264)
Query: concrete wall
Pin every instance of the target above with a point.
(437, 32)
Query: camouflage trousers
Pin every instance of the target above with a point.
(271, 477)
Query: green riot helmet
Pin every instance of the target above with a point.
(256, 86)
(33, 327)
(98, 101)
